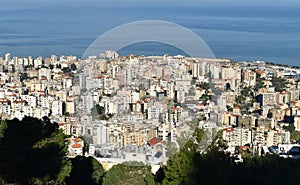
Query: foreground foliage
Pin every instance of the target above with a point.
(32, 151)
(129, 174)
(216, 167)
(85, 170)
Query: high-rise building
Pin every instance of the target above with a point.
(99, 135)
(7, 57)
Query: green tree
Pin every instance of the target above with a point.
(240, 99)
(86, 170)
(229, 108)
(98, 112)
(216, 167)
(279, 83)
(259, 84)
(295, 136)
(73, 67)
(128, 174)
(33, 152)
(204, 85)
(290, 128)
(178, 168)
(3, 127)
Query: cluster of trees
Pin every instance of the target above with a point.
(283, 65)
(259, 84)
(203, 85)
(33, 151)
(216, 167)
(205, 97)
(241, 100)
(295, 136)
(98, 112)
(129, 174)
(279, 83)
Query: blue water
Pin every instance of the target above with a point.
(247, 30)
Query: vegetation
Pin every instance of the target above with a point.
(259, 84)
(283, 65)
(98, 112)
(279, 83)
(85, 170)
(290, 128)
(204, 85)
(229, 108)
(216, 167)
(33, 152)
(295, 136)
(205, 97)
(129, 174)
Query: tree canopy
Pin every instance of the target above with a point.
(85, 170)
(32, 152)
(216, 167)
(129, 174)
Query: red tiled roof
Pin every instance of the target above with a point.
(76, 145)
(4, 100)
(154, 141)
(260, 72)
(175, 108)
(229, 129)
(19, 101)
(61, 123)
(244, 147)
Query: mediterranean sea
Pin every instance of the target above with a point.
(236, 30)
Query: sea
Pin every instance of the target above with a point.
(237, 30)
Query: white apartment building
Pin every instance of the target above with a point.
(153, 113)
(237, 136)
(88, 102)
(99, 134)
(57, 107)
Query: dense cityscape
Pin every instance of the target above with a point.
(141, 108)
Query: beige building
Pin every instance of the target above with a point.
(284, 97)
(230, 98)
(249, 77)
(297, 123)
(136, 137)
(70, 107)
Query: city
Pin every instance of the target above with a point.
(143, 108)
(129, 92)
